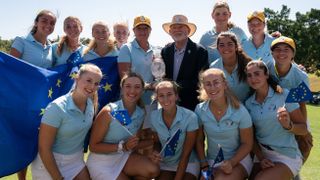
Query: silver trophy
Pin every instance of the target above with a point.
(158, 68)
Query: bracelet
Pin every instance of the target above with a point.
(203, 167)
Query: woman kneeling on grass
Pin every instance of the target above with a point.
(276, 122)
(177, 159)
(63, 129)
(113, 144)
(224, 122)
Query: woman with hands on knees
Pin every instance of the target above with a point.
(113, 144)
(63, 129)
(177, 160)
(277, 155)
(224, 122)
(68, 43)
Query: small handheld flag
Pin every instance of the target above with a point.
(219, 158)
(122, 116)
(299, 94)
(171, 145)
(206, 174)
(118, 121)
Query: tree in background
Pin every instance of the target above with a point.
(305, 30)
(5, 45)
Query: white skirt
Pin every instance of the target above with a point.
(294, 164)
(246, 162)
(106, 166)
(192, 168)
(69, 166)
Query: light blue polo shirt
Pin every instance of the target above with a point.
(185, 120)
(292, 79)
(65, 53)
(116, 133)
(209, 41)
(140, 60)
(263, 51)
(240, 88)
(268, 130)
(71, 123)
(225, 132)
(33, 51)
(93, 55)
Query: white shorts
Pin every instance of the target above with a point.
(106, 166)
(69, 166)
(192, 168)
(294, 164)
(246, 162)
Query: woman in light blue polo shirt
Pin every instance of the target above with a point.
(221, 15)
(232, 62)
(181, 163)
(112, 144)
(136, 56)
(101, 45)
(68, 43)
(288, 74)
(35, 48)
(258, 45)
(224, 122)
(276, 122)
(63, 129)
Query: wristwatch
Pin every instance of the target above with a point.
(120, 147)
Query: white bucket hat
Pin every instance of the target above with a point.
(180, 19)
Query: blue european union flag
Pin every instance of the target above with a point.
(299, 94)
(172, 143)
(219, 158)
(25, 92)
(122, 116)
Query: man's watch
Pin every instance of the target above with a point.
(120, 147)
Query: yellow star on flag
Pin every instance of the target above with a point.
(50, 93)
(42, 112)
(107, 87)
(73, 75)
(58, 82)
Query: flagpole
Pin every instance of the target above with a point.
(121, 125)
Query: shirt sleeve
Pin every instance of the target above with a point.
(18, 44)
(124, 55)
(197, 112)
(245, 121)
(52, 115)
(192, 122)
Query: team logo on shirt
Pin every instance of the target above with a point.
(272, 107)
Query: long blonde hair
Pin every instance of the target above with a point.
(92, 44)
(203, 96)
(64, 39)
(91, 68)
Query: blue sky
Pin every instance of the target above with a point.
(17, 16)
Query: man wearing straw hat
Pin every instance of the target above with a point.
(184, 59)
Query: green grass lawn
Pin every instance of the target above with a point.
(311, 169)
